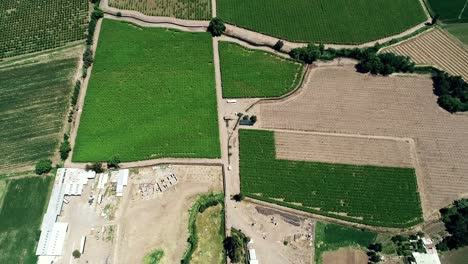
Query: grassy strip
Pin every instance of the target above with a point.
(203, 202)
(154, 98)
(242, 253)
(252, 73)
(380, 196)
(330, 237)
(154, 257)
(20, 218)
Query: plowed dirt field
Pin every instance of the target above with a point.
(436, 48)
(339, 100)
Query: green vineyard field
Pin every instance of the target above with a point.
(33, 103)
(449, 10)
(251, 73)
(381, 196)
(324, 21)
(35, 25)
(155, 97)
(184, 9)
(20, 218)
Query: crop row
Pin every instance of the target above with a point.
(30, 26)
(195, 10)
(374, 195)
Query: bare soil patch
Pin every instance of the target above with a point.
(345, 256)
(435, 47)
(160, 221)
(336, 148)
(340, 100)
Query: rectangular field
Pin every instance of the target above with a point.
(449, 10)
(460, 31)
(252, 73)
(185, 9)
(20, 218)
(154, 98)
(324, 21)
(383, 196)
(33, 101)
(345, 149)
(393, 106)
(35, 25)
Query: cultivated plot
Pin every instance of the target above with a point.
(449, 10)
(395, 106)
(35, 25)
(20, 218)
(460, 31)
(153, 98)
(437, 48)
(383, 196)
(325, 21)
(33, 101)
(251, 73)
(192, 9)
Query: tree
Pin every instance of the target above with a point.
(278, 45)
(307, 54)
(216, 27)
(455, 219)
(231, 246)
(253, 119)
(238, 197)
(76, 253)
(435, 19)
(377, 247)
(113, 162)
(95, 166)
(119, 14)
(43, 166)
(88, 57)
(64, 149)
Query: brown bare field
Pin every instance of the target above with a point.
(345, 256)
(340, 100)
(437, 48)
(161, 221)
(347, 149)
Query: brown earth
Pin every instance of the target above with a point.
(343, 148)
(435, 47)
(345, 256)
(162, 222)
(337, 99)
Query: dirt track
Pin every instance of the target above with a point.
(339, 100)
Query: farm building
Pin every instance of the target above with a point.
(426, 258)
(121, 178)
(67, 182)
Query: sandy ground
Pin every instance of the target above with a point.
(343, 148)
(336, 99)
(435, 47)
(161, 221)
(345, 256)
(125, 229)
(257, 223)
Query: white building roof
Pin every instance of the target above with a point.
(253, 261)
(423, 258)
(52, 240)
(252, 254)
(122, 180)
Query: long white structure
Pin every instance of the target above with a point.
(67, 182)
(121, 178)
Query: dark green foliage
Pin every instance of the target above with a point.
(232, 246)
(452, 92)
(95, 166)
(20, 218)
(64, 149)
(95, 16)
(119, 14)
(455, 219)
(238, 197)
(278, 45)
(88, 57)
(385, 64)
(76, 253)
(377, 247)
(216, 27)
(43, 166)
(334, 188)
(113, 162)
(307, 54)
(76, 93)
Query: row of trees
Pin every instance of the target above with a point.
(369, 60)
